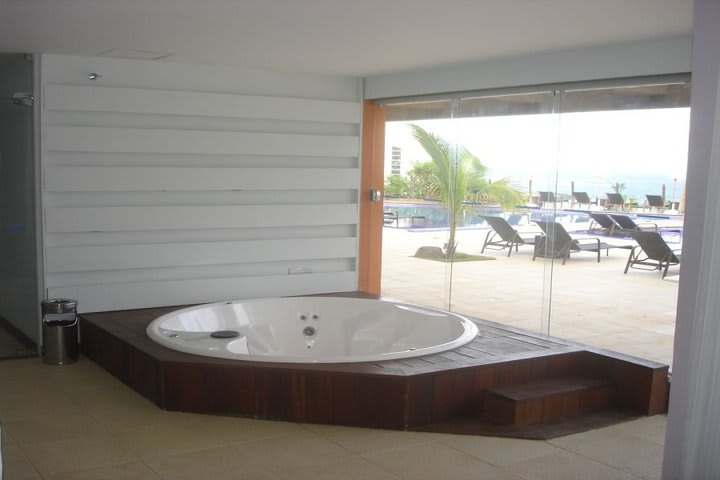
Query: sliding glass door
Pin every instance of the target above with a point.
(515, 137)
(415, 262)
(624, 147)
(493, 153)
(533, 160)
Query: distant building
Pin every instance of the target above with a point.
(396, 161)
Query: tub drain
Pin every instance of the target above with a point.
(225, 334)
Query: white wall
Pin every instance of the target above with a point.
(166, 184)
(693, 432)
(648, 57)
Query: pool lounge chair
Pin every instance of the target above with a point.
(655, 201)
(582, 198)
(546, 198)
(602, 222)
(614, 201)
(557, 243)
(504, 236)
(627, 224)
(391, 218)
(651, 253)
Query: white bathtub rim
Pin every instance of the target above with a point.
(470, 331)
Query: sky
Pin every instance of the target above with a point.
(641, 148)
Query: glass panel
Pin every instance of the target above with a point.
(413, 111)
(415, 266)
(627, 98)
(515, 139)
(626, 150)
(506, 152)
(18, 275)
(569, 156)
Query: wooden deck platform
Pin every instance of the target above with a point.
(416, 393)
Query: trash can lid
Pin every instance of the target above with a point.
(59, 305)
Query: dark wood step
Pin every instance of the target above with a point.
(547, 400)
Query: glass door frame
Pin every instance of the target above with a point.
(558, 92)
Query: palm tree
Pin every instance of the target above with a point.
(618, 187)
(460, 176)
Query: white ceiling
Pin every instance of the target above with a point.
(345, 37)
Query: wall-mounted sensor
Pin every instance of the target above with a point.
(94, 76)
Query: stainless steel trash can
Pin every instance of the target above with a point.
(59, 331)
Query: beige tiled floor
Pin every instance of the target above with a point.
(593, 303)
(78, 422)
(11, 347)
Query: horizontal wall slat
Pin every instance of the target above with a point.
(224, 197)
(84, 98)
(103, 179)
(98, 159)
(136, 140)
(101, 219)
(154, 294)
(178, 122)
(117, 257)
(325, 232)
(192, 272)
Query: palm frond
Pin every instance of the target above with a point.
(461, 176)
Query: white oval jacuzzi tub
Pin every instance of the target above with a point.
(311, 330)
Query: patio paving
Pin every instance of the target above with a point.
(593, 303)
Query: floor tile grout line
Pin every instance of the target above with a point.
(429, 440)
(21, 449)
(503, 466)
(443, 444)
(155, 472)
(616, 467)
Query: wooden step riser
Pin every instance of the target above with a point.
(545, 409)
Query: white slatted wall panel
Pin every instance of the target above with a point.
(166, 184)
